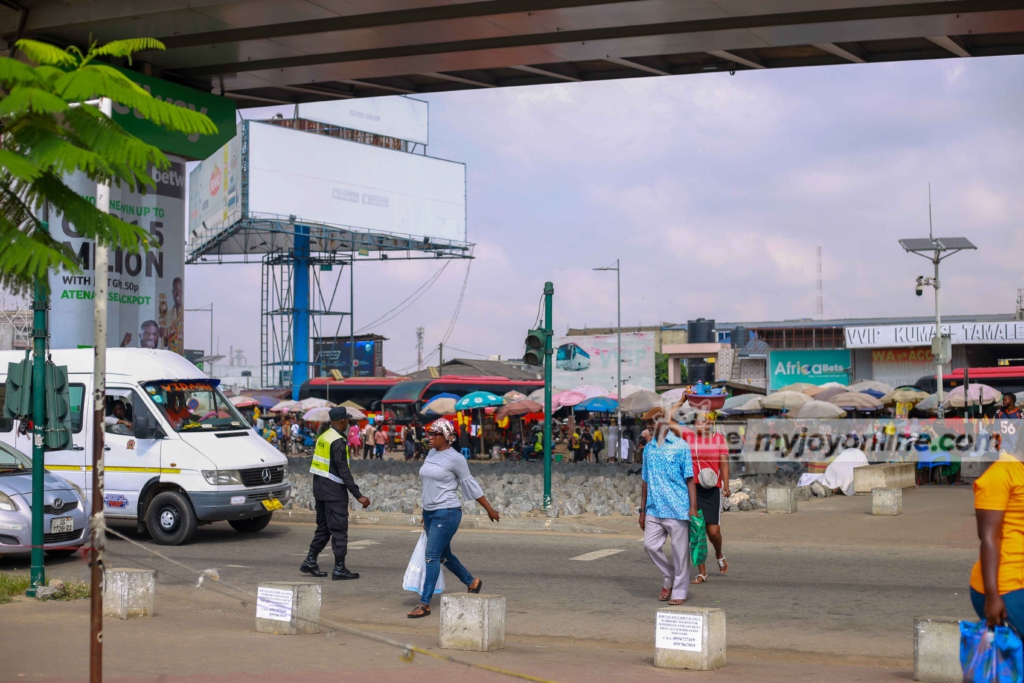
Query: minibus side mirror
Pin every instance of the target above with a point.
(143, 428)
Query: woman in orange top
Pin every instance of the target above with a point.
(997, 580)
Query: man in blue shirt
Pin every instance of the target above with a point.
(668, 500)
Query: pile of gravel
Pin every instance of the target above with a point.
(516, 489)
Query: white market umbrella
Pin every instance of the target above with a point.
(283, 406)
(855, 400)
(307, 404)
(869, 385)
(439, 406)
(978, 394)
(785, 400)
(591, 391)
(797, 386)
(640, 402)
(673, 395)
(629, 390)
(818, 410)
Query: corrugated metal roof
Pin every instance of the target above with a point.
(806, 323)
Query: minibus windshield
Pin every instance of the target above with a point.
(194, 406)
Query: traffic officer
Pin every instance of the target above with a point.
(332, 482)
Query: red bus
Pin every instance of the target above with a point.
(365, 391)
(1005, 378)
(406, 399)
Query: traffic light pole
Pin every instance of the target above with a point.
(549, 291)
(39, 306)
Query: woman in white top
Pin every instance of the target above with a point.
(444, 469)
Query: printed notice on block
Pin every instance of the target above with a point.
(677, 631)
(274, 603)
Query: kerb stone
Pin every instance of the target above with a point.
(781, 500)
(128, 593)
(288, 608)
(690, 638)
(886, 502)
(937, 650)
(472, 622)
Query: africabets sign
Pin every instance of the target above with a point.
(810, 366)
(146, 298)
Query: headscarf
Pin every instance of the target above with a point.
(443, 427)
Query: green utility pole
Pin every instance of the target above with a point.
(39, 306)
(549, 330)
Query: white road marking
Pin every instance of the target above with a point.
(239, 566)
(597, 554)
(361, 545)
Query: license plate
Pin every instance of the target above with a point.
(272, 504)
(61, 525)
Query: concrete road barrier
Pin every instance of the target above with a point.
(781, 499)
(128, 593)
(886, 502)
(897, 475)
(690, 638)
(288, 608)
(473, 622)
(937, 650)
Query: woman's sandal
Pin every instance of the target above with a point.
(419, 611)
(665, 592)
(479, 585)
(676, 602)
(723, 566)
(701, 578)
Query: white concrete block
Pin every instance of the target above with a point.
(473, 622)
(886, 502)
(690, 638)
(896, 475)
(128, 593)
(781, 499)
(937, 650)
(288, 608)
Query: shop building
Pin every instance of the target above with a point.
(896, 351)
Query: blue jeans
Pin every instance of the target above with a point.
(441, 526)
(1014, 601)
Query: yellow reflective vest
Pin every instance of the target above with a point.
(321, 464)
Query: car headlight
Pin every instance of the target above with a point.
(80, 492)
(222, 477)
(6, 503)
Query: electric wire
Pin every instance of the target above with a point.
(458, 306)
(417, 293)
(408, 650)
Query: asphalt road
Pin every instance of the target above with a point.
(857, 601)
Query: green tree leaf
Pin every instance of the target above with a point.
(24, 99)
(43, 53)
(125, 48)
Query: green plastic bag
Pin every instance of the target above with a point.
(698, 539)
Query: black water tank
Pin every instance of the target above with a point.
(738, 337)
(700, 331)
(699, 371)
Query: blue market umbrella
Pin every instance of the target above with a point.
(267, 401)
(598, 404)
(446, 395)
(479, 399)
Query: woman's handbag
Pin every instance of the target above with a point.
(707, 478)
(988, 656)
(416, 572)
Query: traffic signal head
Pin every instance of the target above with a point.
(57, 435)
(18, 397)
(534, 354)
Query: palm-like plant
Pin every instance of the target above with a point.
(48, 131)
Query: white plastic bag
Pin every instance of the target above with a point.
(416, 572)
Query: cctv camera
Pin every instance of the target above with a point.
(919, 290)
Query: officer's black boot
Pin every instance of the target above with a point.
(340, 572)
(310, 565)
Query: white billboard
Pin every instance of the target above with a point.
(592, 360)
(396, 117)
(214, 198)
(321, 179)
(146, 298)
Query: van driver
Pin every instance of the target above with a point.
(117, 422)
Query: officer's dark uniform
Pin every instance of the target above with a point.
(332, 483)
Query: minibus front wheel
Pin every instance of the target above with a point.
(171, 519)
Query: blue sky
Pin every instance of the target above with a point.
(713, 190)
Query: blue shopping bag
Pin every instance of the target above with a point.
(990, 656)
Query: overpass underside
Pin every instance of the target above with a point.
(261, 52)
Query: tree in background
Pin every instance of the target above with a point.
(661, 370)
(48, 133)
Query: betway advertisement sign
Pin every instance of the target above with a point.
(145, 302)
(810, 366)
(884, 336)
